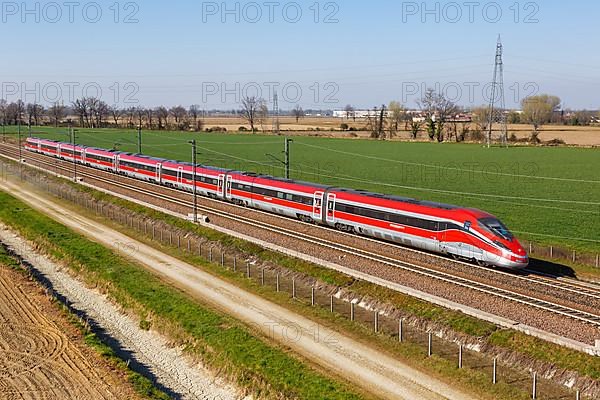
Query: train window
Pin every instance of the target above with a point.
(280, 195)
(289, 197)
(496, 227)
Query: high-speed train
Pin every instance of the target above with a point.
(463, 233)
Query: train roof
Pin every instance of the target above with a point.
(423, 203)
(288, 181)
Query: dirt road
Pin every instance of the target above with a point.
(371, 369)
(37, 358)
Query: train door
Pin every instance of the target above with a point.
(158, 172)
(180, 175)
(221, 186)
(318, 205)
(116, 162)
(331, 198)
(228, 187)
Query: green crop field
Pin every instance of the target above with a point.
(549, 195)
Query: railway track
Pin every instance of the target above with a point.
(471, 284)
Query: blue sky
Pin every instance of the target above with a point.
(334, 53)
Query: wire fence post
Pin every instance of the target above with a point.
(234, 263)
(376, 322)
(495, 371)
(597, 260)
(534, 388)
(312, 296)
(352, 316)
(210, 258)
(400, 330)
(262, 276)
(277, 282)
(331, 303)
(578, 395)
(222, 258)
(460, 356)
(293, 288)
(429, 344)
(248, 270)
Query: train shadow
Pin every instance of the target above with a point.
(543, 267)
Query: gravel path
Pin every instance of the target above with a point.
(371, 369)
(170, 367)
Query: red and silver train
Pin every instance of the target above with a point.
(463, 233)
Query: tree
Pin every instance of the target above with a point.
(396, 115)
(480, 118)
(20, 110)
(538, 110)
(514, 118)
(251, 106)
(194, 112)
(3, 111)
(376, 122)
(298, 112)
(262, 115)
(34, 113)
(416, 125)
(179, 113)
(150, 118)
(438, 110)
(116, 113)
(100, 112)
(57, 112)
(162, 115)
(350, 112)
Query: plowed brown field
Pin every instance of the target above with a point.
(41, 354)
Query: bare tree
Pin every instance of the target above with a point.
(116, 113)
(251, 106)
(13, 111)
(438, 110)
(57, 112)
(162, 115)
(150, 118)
(101, 111)
(195, 112)
(262, 115)
(140, 114)
(130, 114)
(3, 111)
(179, 113)
(298, 112)
(34, 113)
